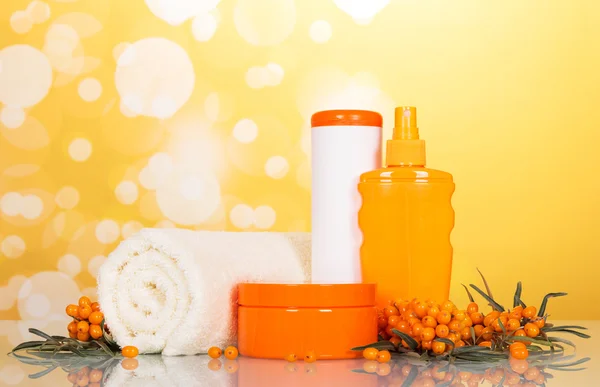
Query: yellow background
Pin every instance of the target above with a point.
(123, 114)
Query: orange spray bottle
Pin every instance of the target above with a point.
(406, 220)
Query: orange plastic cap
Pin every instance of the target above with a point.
(346, 118)
(405, 148)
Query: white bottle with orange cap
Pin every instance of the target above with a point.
(345, 144)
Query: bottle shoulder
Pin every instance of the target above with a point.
(406, 173)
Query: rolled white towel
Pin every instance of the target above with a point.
(174, 291)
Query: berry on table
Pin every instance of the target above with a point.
(129, 351)
(310, 357)
(383, 356)
(370, 353)
(231, 353)
(214, 352)
(291, 357)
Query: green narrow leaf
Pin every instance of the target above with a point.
(489, 292)
(502, 326)
(410, 378)
(473, 335)
(571, 364)
(493, 303)
(578, 334)
(517, 299)
(384, 344)
(561, 340)
(468, 293)
(561, 327)
(412, 343)
(42, 373)
(28, 344)
(111, 353)
(37, 332)
(542, 309)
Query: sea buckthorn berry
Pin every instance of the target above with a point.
(472, 308)
(83, 336)
(408, 315)
(496, 323)
(72, 327)
(421, 310)
(388, 330)
(73, 335)
(370, 353)
(96, 318)
(83, 380)
(413, 320)
(85, 301)
(95, 331)
(433, 311)
(428, 334)
(512, 325)
(384, 335)
(95, 307)
(487, 333)
(460, 344)
(454, 325)
(215, 352)
(393, 320)
(396, 341)
(72, 310)
(438, 348)
(231, 353)
(478, 330)
(416, 330)
(95, 376)
(390, 311)
(72, 377)
(529, 312)
(383, 356)
(129, 351)
(487, 321)
(291, 357)
(83, 327)
(540, 322)
(465, 334)
(403, 326)
(213, 364)
(485, 344)
(517, 344)
(429, 322)
(516, 313)
(444, 317)
(382, 322)
(84, 312)
(541, 379)
(384, 369)
(448, 306)
(519, 353)
(442, 330)
(460, 315)
(468, 322)
(453, 337)
(477, 318)
(520, 333)
(531, 330)
(426, 344)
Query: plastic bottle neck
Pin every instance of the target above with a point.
(405, 148)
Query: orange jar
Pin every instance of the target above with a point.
(275, 320)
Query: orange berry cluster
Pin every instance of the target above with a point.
(309, 357)
(87, 319)
(517, 373)
(425, 321)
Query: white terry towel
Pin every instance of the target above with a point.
(174, 291)
(158, 371)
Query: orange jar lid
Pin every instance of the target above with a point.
(346, 118)
(306, 295)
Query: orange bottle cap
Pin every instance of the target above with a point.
(306, 295)
(346, 117)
